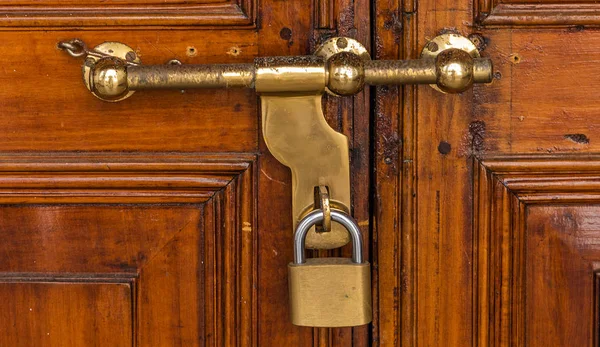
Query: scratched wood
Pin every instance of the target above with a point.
(520, 99)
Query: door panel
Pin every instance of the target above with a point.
(492, 201)
(175, 232)
(167, 213)
(537, 229)
(43, 313)
(169, 202)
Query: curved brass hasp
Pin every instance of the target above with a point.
(297, 134)
(291, 89)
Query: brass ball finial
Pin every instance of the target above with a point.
(346, 73)
(454, 68)
(109, 78)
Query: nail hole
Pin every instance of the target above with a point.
(191, 51)
(515, 58)
(234, 51)
(285, 33)
(444, 147)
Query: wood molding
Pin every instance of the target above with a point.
(211, 261)
(494, 13)
(504, 189)
(324, 16)
(231, 274)
(229, 13)
(101, 178)
(395, 320)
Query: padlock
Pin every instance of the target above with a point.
(329, 292)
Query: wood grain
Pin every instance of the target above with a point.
(513, 107)
(443, 259)
(429, 216)
(527, 13)
(66, 314)
(537, 257)
(393, 164)
(51, 110)
(324, 14)
(134, 14)
(165, 188)
(191, 252)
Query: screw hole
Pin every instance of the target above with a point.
(515, 58)
(191, 51)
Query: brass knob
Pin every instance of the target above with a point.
(458, 64)
(454, 70)
(346, 73)
(109, 78)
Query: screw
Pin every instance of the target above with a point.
(433, 47)
(342, 43)
(478, 41)
(130, 56)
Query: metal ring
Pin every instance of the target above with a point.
(322, 203)
(315, 217)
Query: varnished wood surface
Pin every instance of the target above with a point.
(95, 14)
(490, 181)
(50, 109)
(527, 13)
(189, 258)
(536, 232)
(171, 192)
(167, 214)
(66, 314)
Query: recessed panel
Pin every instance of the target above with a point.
(187, 245)
(562, 250)
(537, 13)
(66, 314)
(88, 238)
(154, 13)
(538, 250)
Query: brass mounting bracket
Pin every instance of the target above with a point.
(291, 89)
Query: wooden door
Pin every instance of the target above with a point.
(161, 220)
(487, 203)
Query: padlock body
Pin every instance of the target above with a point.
(330, 292)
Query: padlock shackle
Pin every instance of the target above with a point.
(315, 217)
